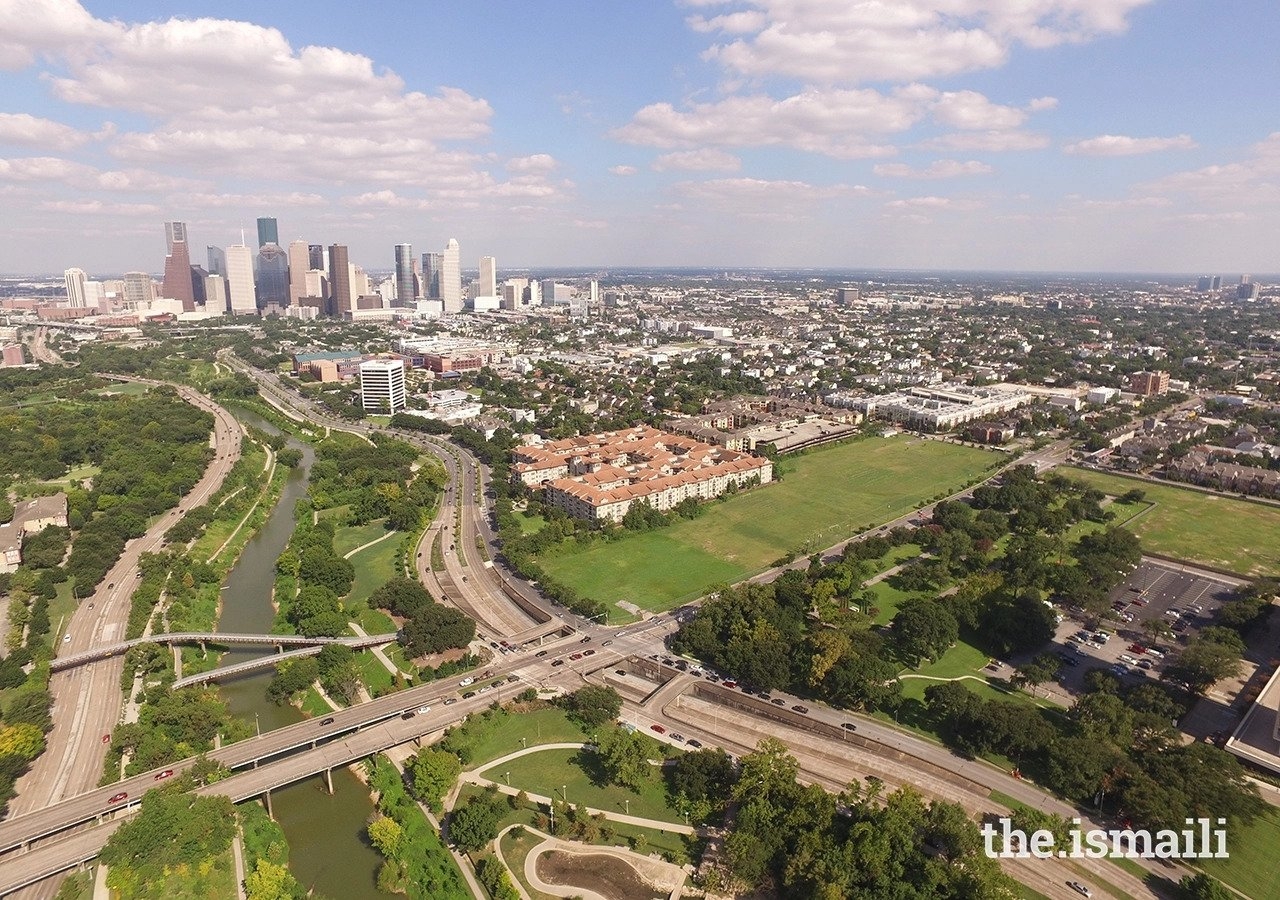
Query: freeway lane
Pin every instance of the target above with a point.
(86, 703)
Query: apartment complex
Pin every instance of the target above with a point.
(742, 423)
(1149, 384)
(939, 407)
(599, 476)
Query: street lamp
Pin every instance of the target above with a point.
(508, 779)
(628, 802)
(565, 789)
(256, 727)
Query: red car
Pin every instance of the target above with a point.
(731, 684)
(167, 773)
(658, 728)
(1137, 648)
(106, 739)
(116, 798)
(575, 656)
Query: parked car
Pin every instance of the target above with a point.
(800, 709)
(658, 728)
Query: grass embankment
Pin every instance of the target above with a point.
(825, 495)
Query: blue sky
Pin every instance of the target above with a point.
(1090, 135)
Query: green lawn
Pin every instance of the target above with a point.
(1219, 531)
(348, 537)
(548, 771)
(1251, 868)
(374, 674)
(501, 735)
(964, 659)
(528, 524)
(889, 598)
(374, 567)
(825, 495)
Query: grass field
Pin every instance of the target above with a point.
(349, 537)
(548, 771)
(825, 495)
(1251, 868)
(374, 566)
(499, 737)
(1219, 531)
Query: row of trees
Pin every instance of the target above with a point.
(429, 627)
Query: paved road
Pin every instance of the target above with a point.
(87, 701)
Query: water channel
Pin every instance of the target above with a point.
(328, 852)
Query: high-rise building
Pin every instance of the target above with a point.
(488, 277)
(382, 385)
(1246, 289)
(848, 296)
(513, 292)
(405, 294)
(174, 231)
(339, 280)
(177, 267)
(431, 265)
(317, 283)
(533, 293)
(299, 262)
(316, 257)
(217, 261)
(451, 277)
(75, 288)
(215, 294)
(268, 232)
(240, 296)
(359, 283)
(271, 275)
(138, 290)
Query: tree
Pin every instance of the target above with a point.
(171, 829)
(702, 775)
(475, 824)
(1044, 667)
(432, 774)
(1204, 887)
(594, 705)
(269, 881)
(624, 757)
(23, 741)
(1202, 664)
(386, 834)
(923, 629)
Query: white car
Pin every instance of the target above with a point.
(423, 710)
(66, 639)
(466, 682)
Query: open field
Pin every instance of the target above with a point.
(1251, 868)
(374, 567)
(550, 770)
(825, 495)
(1219, 531)
(500, 736)
(348, 537)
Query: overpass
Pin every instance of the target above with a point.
(204, 638)
(356, 733)
(272, 660)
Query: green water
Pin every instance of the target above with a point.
(328, 851)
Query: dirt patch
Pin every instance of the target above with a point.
(599, 872)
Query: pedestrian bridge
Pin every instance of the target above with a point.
(279, 641)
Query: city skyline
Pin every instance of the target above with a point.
(1093, 135)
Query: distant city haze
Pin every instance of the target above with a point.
(1118, 136)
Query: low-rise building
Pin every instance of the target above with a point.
(29, 517)
(940, 407)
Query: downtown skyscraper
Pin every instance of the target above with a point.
(488, 277)
(451, 277)
(406, 291)
(268, 231)
(177, 267)
(341, 298)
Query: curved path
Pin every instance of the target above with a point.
(663, 876)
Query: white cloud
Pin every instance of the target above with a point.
(1120, 145)
(99, 207)
(942, 168)
(623, 170)
(539, 163)
(761, 197)
(1253, 181)
(971, 111)
(27, 130)
(843, 123)
(988, 141)
(233, 99)
(856, 41)
(708, 159)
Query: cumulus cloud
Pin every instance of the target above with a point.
(232, 99)
(986, 141)
(26, 130)
(707, 159)
(1121, 145)
(623, 170)
(857, 41)
(1254, 180)
(942, 168)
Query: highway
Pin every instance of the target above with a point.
(482, 595)
(87, 701)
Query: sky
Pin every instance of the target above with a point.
(1029, 135)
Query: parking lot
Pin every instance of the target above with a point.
(1182, 600)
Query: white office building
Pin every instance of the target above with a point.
(451, 277)
(240, 293)
(488, 286)
(75, 279)
(382, 385)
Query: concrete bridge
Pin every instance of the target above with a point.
(279, 641)
(267, 662)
